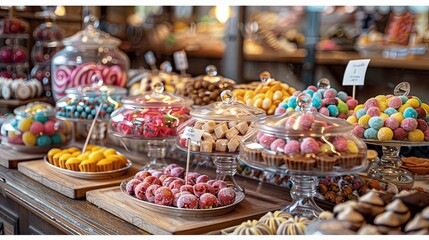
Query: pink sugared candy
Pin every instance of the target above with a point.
(358, 131)
(266, 140)
(391, 123)
(394, 102)
(176, 197)
(400, 134)
(208, 201)
(292, 147)
(329, 93)
(202, 179)
(37, 128)
(187, 188)
(152, 180)
(129, 188)
(163, 196)
(150, 192)
(373, 111)
(157, 174)
(306, 120)
(309, 145)
(141, 175)
(372, 102)
(167, 170)
(201, 188)
(409, 124)
(218, 185)
(188, 201)
(192, 178)
(352, 103)
(329, 101)
(312, 88)
(226, 196)
(178, 172)
(176, 184)
(140, 190)
(278, 145)
(340, 144)
(324, 111)
(167, 181)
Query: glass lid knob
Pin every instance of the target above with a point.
(304, 102)
(211, 71)
(227, 96)
(323, 83)
(91, 20)
(97, 80)
(166, 67)
(265, 76)
(158, 87)
(402, 89)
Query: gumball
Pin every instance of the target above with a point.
(40, 117)
(410, 113)
(43, 141)
(56, 138)
(50, 127)
(29, 139)
(370, 133)
(37, 128)
(25, 124)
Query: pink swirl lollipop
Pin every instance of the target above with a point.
(61, 81)
(82, 73)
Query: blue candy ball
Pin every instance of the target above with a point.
(79, 108)
(317, 95)
(376, 122)
(333, 110)
(43, 141)
(88, 109)
(283, 105)
(389, 111)
(370, 133)
(342, 95)
(83, 114)
(409, 112)
(321, 91)
(292, 102)
(76, 114)
(56, 138)
(360, 112)
(309, 92)
(316, 102)
(41, 117)
(403, 99)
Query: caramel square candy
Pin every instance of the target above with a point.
(206, 146)
(242, 127)
(232, 124)
(199, 125)
(208, 137)
(233, 145)
(231, 133)
(208, 127)
(221, 145)
(220, 130)
(195, 147)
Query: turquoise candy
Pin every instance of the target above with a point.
(409, 112)
(283, 105)
(370, 133)
(309, 92)
(292, 102)
(403, 99)
(56, 138)
(389, 111)
(376, 122)
(316, 102)
(40, 117)
(43, 140)
(360, 112)
(333, 110)
(317, 95)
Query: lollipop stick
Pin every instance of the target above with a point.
(187, 161)
(91, 128)
(354, 92)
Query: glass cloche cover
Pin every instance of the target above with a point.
(35, 129)
(304, 142)
(224, 123)
(152, 115)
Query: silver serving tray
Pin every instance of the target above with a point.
(181, 212)
(90, 175)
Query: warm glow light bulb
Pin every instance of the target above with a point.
(222, 13)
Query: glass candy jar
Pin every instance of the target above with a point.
(153, 116)
(36, 129)
(305, 145)
(223, 123)
(87, 53)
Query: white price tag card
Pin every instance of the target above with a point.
(355, 72)
(193, 134)
(181, 60)
(150, 58)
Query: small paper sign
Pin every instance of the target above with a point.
(150, 58)
(181, 60)
(355, 72)
(193, 134)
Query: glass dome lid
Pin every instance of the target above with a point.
(304, 122)
(34, 108)
(157, 98)
(227, 110)
(91, 37)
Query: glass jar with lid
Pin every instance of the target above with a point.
(86, 53)
(223, 124)
(304, 144)
(36, 129)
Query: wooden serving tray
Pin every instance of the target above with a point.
(69, 186)
(114, 201)
(10, 158)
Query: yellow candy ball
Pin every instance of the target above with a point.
(425, 106)
(351, 147)
(381, 98)
(383, 116)
(326, 148)
(382, 106)
(398, 116)
(413, 102)
(25, 124)
(385, 134)
(403, 107)
(360, 106)
(363, 121)
(416, 135)
(352, 119)
(96, 156)
(29, 139)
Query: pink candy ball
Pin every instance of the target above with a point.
(340, 144)
(37, 128)
(395, 102)
(290, 123)
(306, 120)
(352, 103)
(309, 145)
(278, 145)
(422, 124)
(279, 111)
(329, 93)
(292, 147)
(399, 134)
(372, 102)
(426, 133)
(391, 123)
(342, 116)
(313, 88)
(373, 111)
(329, 101)
(259, 135)
(324, 111)
(266, 140)
(50, 127)
(409, 124)
(358, 131)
